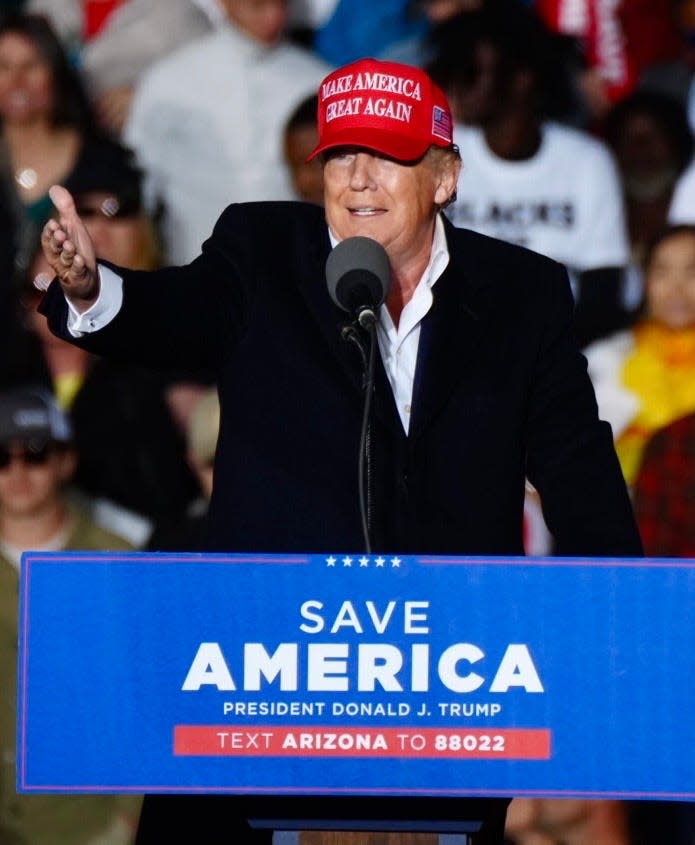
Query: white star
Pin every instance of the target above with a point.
(347, 561)
(395, 562)
(330, 561)
(364, 561)
(380, 561)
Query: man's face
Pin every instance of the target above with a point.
(31, 477)
(391, 202)
(262, 20)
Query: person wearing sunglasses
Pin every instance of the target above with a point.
(37, 512)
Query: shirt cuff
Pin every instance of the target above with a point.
(107, 305)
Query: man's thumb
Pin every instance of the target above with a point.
(62, 200)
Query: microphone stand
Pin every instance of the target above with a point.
(367, 320)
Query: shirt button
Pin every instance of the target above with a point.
(406, 408)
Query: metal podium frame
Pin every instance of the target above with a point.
(461, 819)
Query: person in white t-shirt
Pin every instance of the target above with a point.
(526, 178)
(563, 201)
(206, 121)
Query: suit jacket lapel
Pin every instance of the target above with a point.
(449, 335)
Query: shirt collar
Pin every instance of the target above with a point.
(440, 254)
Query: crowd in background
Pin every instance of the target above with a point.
(575, 121)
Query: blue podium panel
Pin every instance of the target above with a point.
(344, 674)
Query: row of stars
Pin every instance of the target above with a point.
(364, 562)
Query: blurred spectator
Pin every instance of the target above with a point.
(37, 513)
(108, 189)
(441, 10)
(21, 353)
(685, 18)
(201, 439)
(664, 491)
(528, 179)
(490, 43)
(359, 28)
(144, 472)
(310, 14)
(674, 75)
(300, 138)
(21, 356)
(46, 123)
(7, 254)
(107, 185)
(570, 822)
(599, 822)
(207, 121)
(67, 370)
(649, 134)
(417, 48)
(643, 376)
(682, 208)
(141, 479)
(618, 41)
(115, 42)
(203, 426)
(75, 21)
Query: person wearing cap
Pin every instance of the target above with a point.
(36, 512)
(479, 381)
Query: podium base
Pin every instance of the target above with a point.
(219, 819)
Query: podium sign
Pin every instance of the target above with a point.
(356, 675)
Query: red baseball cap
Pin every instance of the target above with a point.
(388, 107)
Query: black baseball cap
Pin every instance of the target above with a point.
(32, 414)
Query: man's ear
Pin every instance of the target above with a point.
(448, 181)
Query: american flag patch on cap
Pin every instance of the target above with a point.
(441, 123)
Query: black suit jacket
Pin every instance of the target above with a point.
(501, 393)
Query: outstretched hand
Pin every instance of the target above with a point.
(69, 250)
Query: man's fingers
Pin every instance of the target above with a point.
(79, 268)
(50, 227)
(48, 235)
(53, 236)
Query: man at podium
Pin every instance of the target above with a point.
(475, 385)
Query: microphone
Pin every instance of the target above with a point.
(358, 276)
